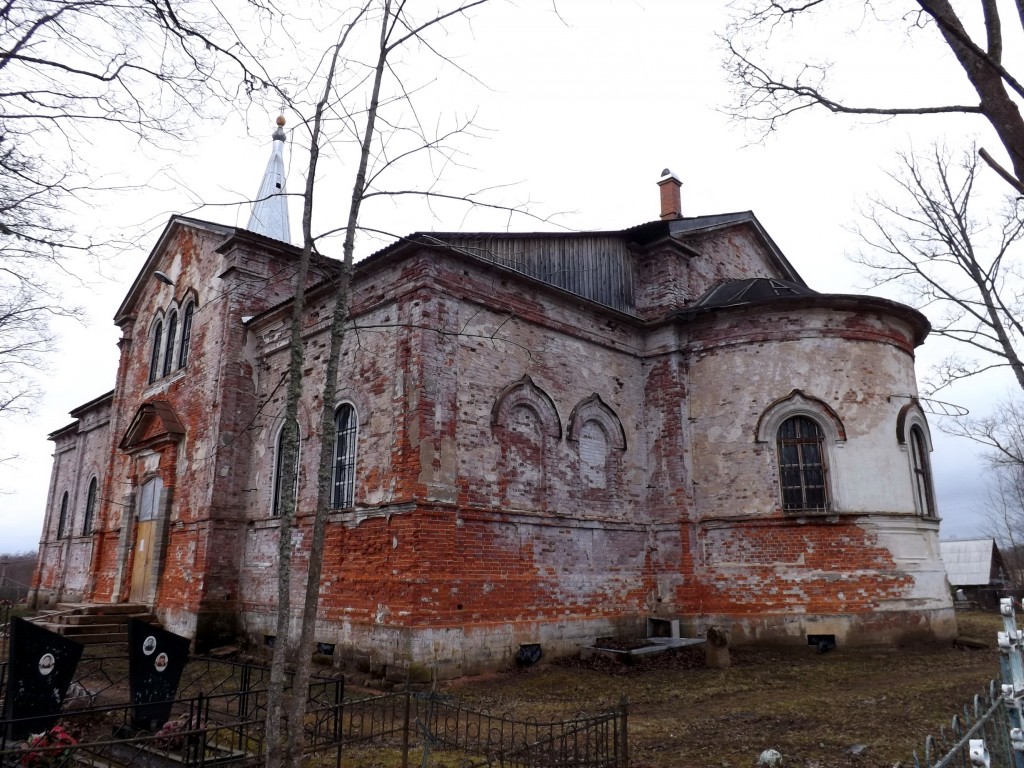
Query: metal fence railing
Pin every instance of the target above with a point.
(988, 721)
(437, 722)
(12, 591)
(989, 733)
(218, 718)
(204, 729)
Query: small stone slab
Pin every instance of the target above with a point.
(655, 646)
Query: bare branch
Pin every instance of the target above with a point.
(947, 260)
(766, 98)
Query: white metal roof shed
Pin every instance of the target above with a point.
(969, 561)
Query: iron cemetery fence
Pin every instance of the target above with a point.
(438, 722)
(990, 734)
(979, 736)
(219, 715)
(224, 727)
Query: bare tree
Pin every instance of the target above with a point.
(343, 111)
(958, 264)
(1003, 510)
(69, 70)
(767, 91)
(1002, 433)
(24, 337)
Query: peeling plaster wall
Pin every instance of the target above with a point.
(531, 467)
(871, 555)
(81, 452)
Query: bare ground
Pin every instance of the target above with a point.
(843, 709)
(846, 708)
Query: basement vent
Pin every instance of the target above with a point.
(825, 643)
(529, 654)
(657, 627)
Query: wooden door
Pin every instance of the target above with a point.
(145, 539)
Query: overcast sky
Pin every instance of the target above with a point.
(578, 112)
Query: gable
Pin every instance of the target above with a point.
(153, 423)
(157, 260)
(968, 563)
(730, 255)
(745, 234)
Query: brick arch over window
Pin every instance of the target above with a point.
(595, 409)
(526, 425)
(600, 442)
(801, 431)
(796, 403)
(525, 394)
(910, 414)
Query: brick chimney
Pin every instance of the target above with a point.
(671, 208)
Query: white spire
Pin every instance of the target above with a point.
(270, 211)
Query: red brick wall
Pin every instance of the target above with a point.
(474, 528)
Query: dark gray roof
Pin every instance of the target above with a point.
(753, 289)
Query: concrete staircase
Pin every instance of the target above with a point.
(93, 623)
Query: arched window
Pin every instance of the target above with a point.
(523, 457)
(527, 427)
(593, 455)
(154, 356)
(601, 442)
(172, 329)
(803, 474)
(62, 520)
(286, 474)
(922, 472)
(346, 425)
(90, 507)
(186, 333)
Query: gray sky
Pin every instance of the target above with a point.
(579, 114)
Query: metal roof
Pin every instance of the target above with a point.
(270, 211)
(968, 562)
(753, 289)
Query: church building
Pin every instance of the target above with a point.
(540, 438)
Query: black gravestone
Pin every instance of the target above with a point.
(156, 659)
(41, 667)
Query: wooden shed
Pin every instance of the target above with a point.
(976, 570)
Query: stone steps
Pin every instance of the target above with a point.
(94, 623)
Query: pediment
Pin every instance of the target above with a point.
(154, 423)
(158, 259)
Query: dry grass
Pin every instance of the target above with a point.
(812, 708)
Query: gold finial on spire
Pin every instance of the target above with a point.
(279, 133)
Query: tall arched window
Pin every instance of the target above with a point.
(154, 356)
(286, 474)
(172, 329)
(62, 520)
(922, 472)
(90, 507)
(186, 333)
(803, 474)
(346, 425)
